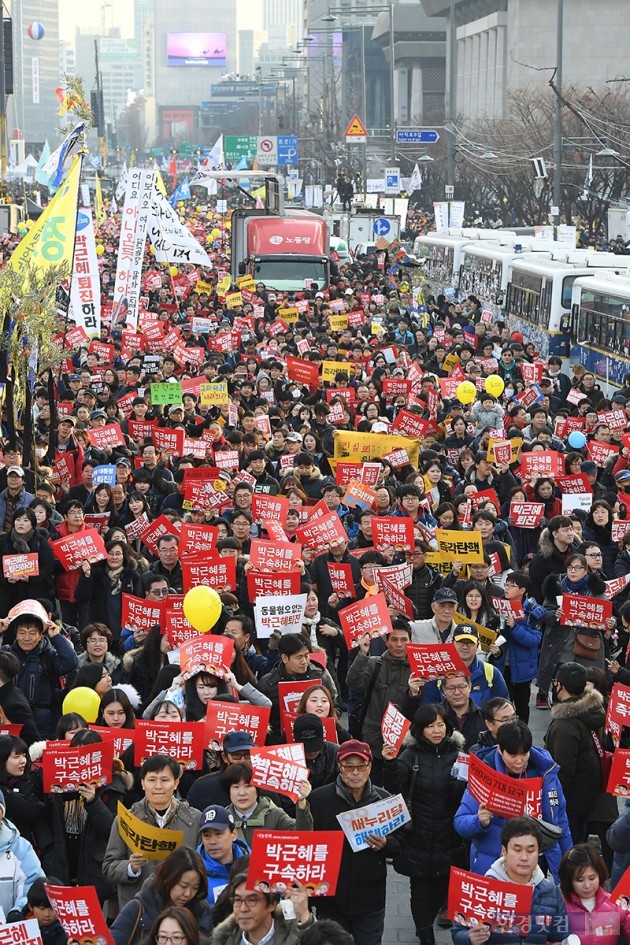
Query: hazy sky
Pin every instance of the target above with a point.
(88, 16)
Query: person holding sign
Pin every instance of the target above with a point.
(22, 578)
(592, 912)
(422, 774)
(516, 757)
(521, 846)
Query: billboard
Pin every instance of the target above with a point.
(196, 49)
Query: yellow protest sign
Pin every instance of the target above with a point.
(364, 447)
(330, 369)
(460, 546)
(224, 284)
(214, 395)
(338, 322)
(246, 282)
(486, 635)
(289, 315)
(376, 329)
(153, 842)
(437, 562)
(449, 362)
(233, 300)
(201, 286)
(516, 444)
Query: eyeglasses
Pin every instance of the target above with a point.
(160, 592)
(576, 567)
(593, 554)
(239, 901)
(239, 755)
(510, 718)
(176, 938)
(456, 688)
(362, 766)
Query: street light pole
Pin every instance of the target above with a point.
(3, 105)
(557, 146)
(394, 101)
(452, 96)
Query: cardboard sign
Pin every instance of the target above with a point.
(161, 526)
(226, 459)
(169, 441)
(618, 530)
(211, 569)
(364, 447)
(22, 565)
(460, 546)
(501, 794)
(580, 611)
(274, 555)
(156, 843)
(121, 737)
(621, 894)
(547, 463)
(24, 933)
(222, 718)
(575, 485)
(600, 453)
(138, 527)
(359, 495)
(271, 769)
(619, 777)
(616, 586)
(106, 437)
(140, 614)
(273, 584)
(394, 727)
(64, 769)
(410, 424)
(321, 533)
(618, 711)
(500, 452)
(280, 612)
(269, 508)
(206, 654)
(197, 539)
(166, 393)
(526, 514)
(378, 819)
(396, 386)
(289, 695)
(214, 395)
(80, 913)
(72, 550)
(435, 660)
(341, 578)
(393, 532)
(369, 615)
(180, 740)
(303, 372)
(508, 608)
(473, 899)
(281, 857)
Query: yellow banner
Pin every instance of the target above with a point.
(330, 369)
(289, 315)
(201, 286)
(99, 210)
(159, 182)
(224, 284)
(364, 447)
(233, 300)
(152, 842)
(486, 635)
(460, 546)
(50, 241)
(214, 395)
(246, 282)
(435, 559)
(338, 322)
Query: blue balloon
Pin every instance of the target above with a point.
(577, 440)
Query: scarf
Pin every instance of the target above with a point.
(311, 624)
(115, 578)
(21, 542)
(575, 587)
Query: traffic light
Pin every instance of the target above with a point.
(98, 111)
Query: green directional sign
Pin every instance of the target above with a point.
(239, 146)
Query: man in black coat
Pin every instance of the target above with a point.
(321, 756)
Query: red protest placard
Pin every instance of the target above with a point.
(486, 495)
(273, 583)
(65, 768)
(474, 899)
(199, 494)
(391, 532)
(72, 550)
(178, 629)
(140, 614)
(161, 526)
(206, 654)
(281, 857)
(211, 569)
(616, 586)
(222, 718)
(542, 463)
(303, 372)
(197, 539)
(170, 441)
(600, 453)
(400, 575)
(532, 373)
(369, 615)
(271, 769)
(394, 727)
(574, 485)
(138, 527)
(274, 555)
(434, 660)
(394, 386)
(618, 711)
(501, 794)
(618, 530)
(410, 424)
(502, 452)
(399, 458)
(289, 695)
(359, 495)
(346, 471)
(320, 533)
(121, 737)
(141, 429)
(526, 514)
(106, 437)
(580, 611)
(508, 608)
(341, 578)
(80, 913)
(395, 597)
(619, 777)
(269, 508)
(615, 419)
(26, 565)
(183, 741)
(275, 530)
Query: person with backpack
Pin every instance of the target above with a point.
(486, 680)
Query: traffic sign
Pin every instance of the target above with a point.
(392, 180)
(416, 136)
(381, 227)
(356, 130)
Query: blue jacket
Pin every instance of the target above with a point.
(24, 499)
(19, 868)
(485, 844)
(547, 921)
(523, 640)
(219, 873)
(41, 669)
(482, 689)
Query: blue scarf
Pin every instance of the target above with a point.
(575, 587)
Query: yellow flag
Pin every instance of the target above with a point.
(132, 159)
(159, 182)
(50, 241)
(99, 210)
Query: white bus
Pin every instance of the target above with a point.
(600, 332)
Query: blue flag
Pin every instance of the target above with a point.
(182, 192)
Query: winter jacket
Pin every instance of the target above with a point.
(219, 873)
(14, 708)
(150, 904)
(618, 839)
(323, 769)
(52, 934)
(558, 639)
(486, 841)
(433, 845)
(603, 925)
(265, 816)
(19, 868)
(608, 548)
(97, 591)
(549, 560)
(285, 931)
(66, 581)
(117, 854)
(42, 586)
(113, 665)
(362, 876)
(23, 500)
(486, 419)
(42, 668)
(570, 742)
(547, 904)
(424, 583)
(486, 680)
(268, 685)
(523, 640)
(27, 809)
(392, 684)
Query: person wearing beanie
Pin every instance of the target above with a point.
(19, 867)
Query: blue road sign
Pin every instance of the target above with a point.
(416, 136)
(382, 227)
(287, 149)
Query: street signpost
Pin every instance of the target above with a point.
(416, 136)
(381, 227)
(392, 180)
(356, 132)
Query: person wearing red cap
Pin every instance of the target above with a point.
(362, 877)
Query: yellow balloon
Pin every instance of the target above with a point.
(173, 270)
(202, 607)
(100, 250)
(466, 392)
(215, 232)
(84, 701)
(494, 385)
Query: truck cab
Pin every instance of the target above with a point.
(287, 253)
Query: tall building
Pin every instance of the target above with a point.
(67, 65)
(120, 66)
(284, 13)
(36, 75)
(143, 10)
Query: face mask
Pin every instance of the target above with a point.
(40, 452)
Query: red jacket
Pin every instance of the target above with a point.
(75, 459)
(66, 581)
